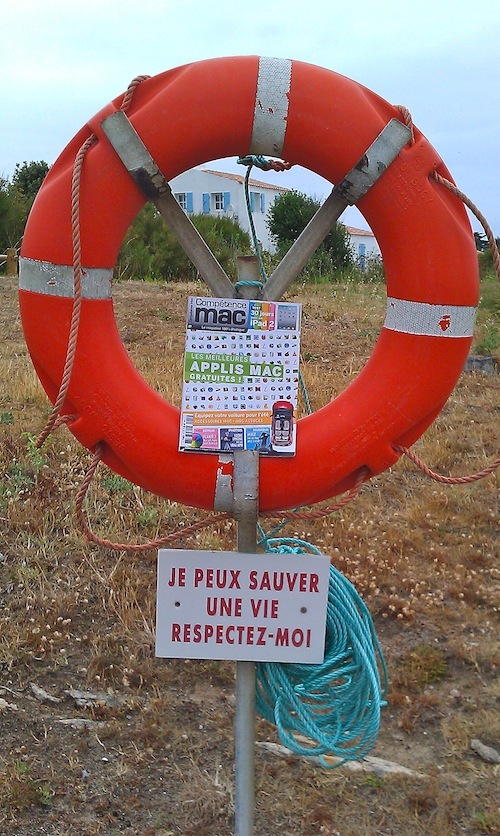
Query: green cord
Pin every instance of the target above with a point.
(255, 241)
(265, 165)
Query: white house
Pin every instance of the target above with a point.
(365, 245)
(203, 191)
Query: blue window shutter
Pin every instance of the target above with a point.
(227, 200)
(252, 201)
(262, 202)
(206, 203)
(362, 249)
(189, 201)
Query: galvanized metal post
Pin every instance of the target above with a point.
(245, 511)
(249, 277)
(246, 480)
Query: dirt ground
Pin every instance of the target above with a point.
(99, 737)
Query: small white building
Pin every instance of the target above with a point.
(365, 245)
(202, 191)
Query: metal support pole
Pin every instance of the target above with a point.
(146, 174)
(249, 277)
(245, 512)
(246, 480)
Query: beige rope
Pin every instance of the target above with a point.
(191, 529)
(475, 211)
(53, 418)
(447, 480)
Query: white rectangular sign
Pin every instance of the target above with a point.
(246, 607)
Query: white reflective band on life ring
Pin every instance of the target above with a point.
(271, 106)
(429, 320)
(57, 279)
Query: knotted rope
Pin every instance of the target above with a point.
(215, 519)
(266, 165)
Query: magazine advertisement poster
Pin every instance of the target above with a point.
(241, 376)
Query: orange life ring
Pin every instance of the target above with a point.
(306, 115)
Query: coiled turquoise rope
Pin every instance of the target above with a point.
(335, 705)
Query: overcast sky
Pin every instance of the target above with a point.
(61, 62)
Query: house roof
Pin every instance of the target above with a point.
(352, 230)
(239, 179)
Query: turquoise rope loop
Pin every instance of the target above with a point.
(304, 393)
(247, 283)
(255, 159)
(288, 545)
(335, 705)
(264, 163)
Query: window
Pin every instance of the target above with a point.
(215, 202)
(181, 199)
(185, 200)
(257, 202)
(218, 201)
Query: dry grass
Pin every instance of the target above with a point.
(160, 759)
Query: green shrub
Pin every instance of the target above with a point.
(150, 250)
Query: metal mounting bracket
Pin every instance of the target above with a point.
(148, 177)
(369, 168)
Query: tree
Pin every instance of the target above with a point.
(28, 177)
(288, 216)
(13, 215)
(16, 200)
(4, 207)
(291, 213)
